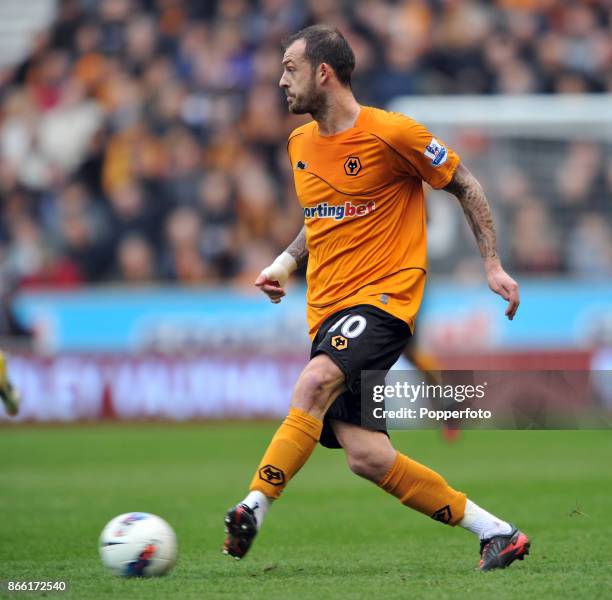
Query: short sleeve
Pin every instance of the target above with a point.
(422, 155)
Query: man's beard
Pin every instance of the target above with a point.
(311, 102)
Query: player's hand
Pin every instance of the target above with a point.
(501, 283)
(270, 287)
(272, 279)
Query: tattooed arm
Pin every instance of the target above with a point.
(478, 214)
(297, 249)
(272, 279)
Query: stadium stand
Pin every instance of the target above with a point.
(143, 141)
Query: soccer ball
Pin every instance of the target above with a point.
(138, 545)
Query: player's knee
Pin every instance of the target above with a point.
(372, 466)
(317, 384)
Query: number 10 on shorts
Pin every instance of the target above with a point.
(352, 326)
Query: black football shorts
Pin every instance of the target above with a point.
(359, 338)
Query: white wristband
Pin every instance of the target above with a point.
(280, 269)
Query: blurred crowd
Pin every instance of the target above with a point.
(144, 140)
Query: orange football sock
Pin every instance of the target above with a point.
(289, 449)
(424, 490)
(425, 362)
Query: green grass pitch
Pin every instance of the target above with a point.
(332, 535)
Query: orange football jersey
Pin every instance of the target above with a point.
(364, 211)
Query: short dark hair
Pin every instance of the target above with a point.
(327, 45)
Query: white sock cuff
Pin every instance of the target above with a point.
(482, 523)
(256, 499)
(259, 503)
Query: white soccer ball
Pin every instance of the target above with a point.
(138, 545)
